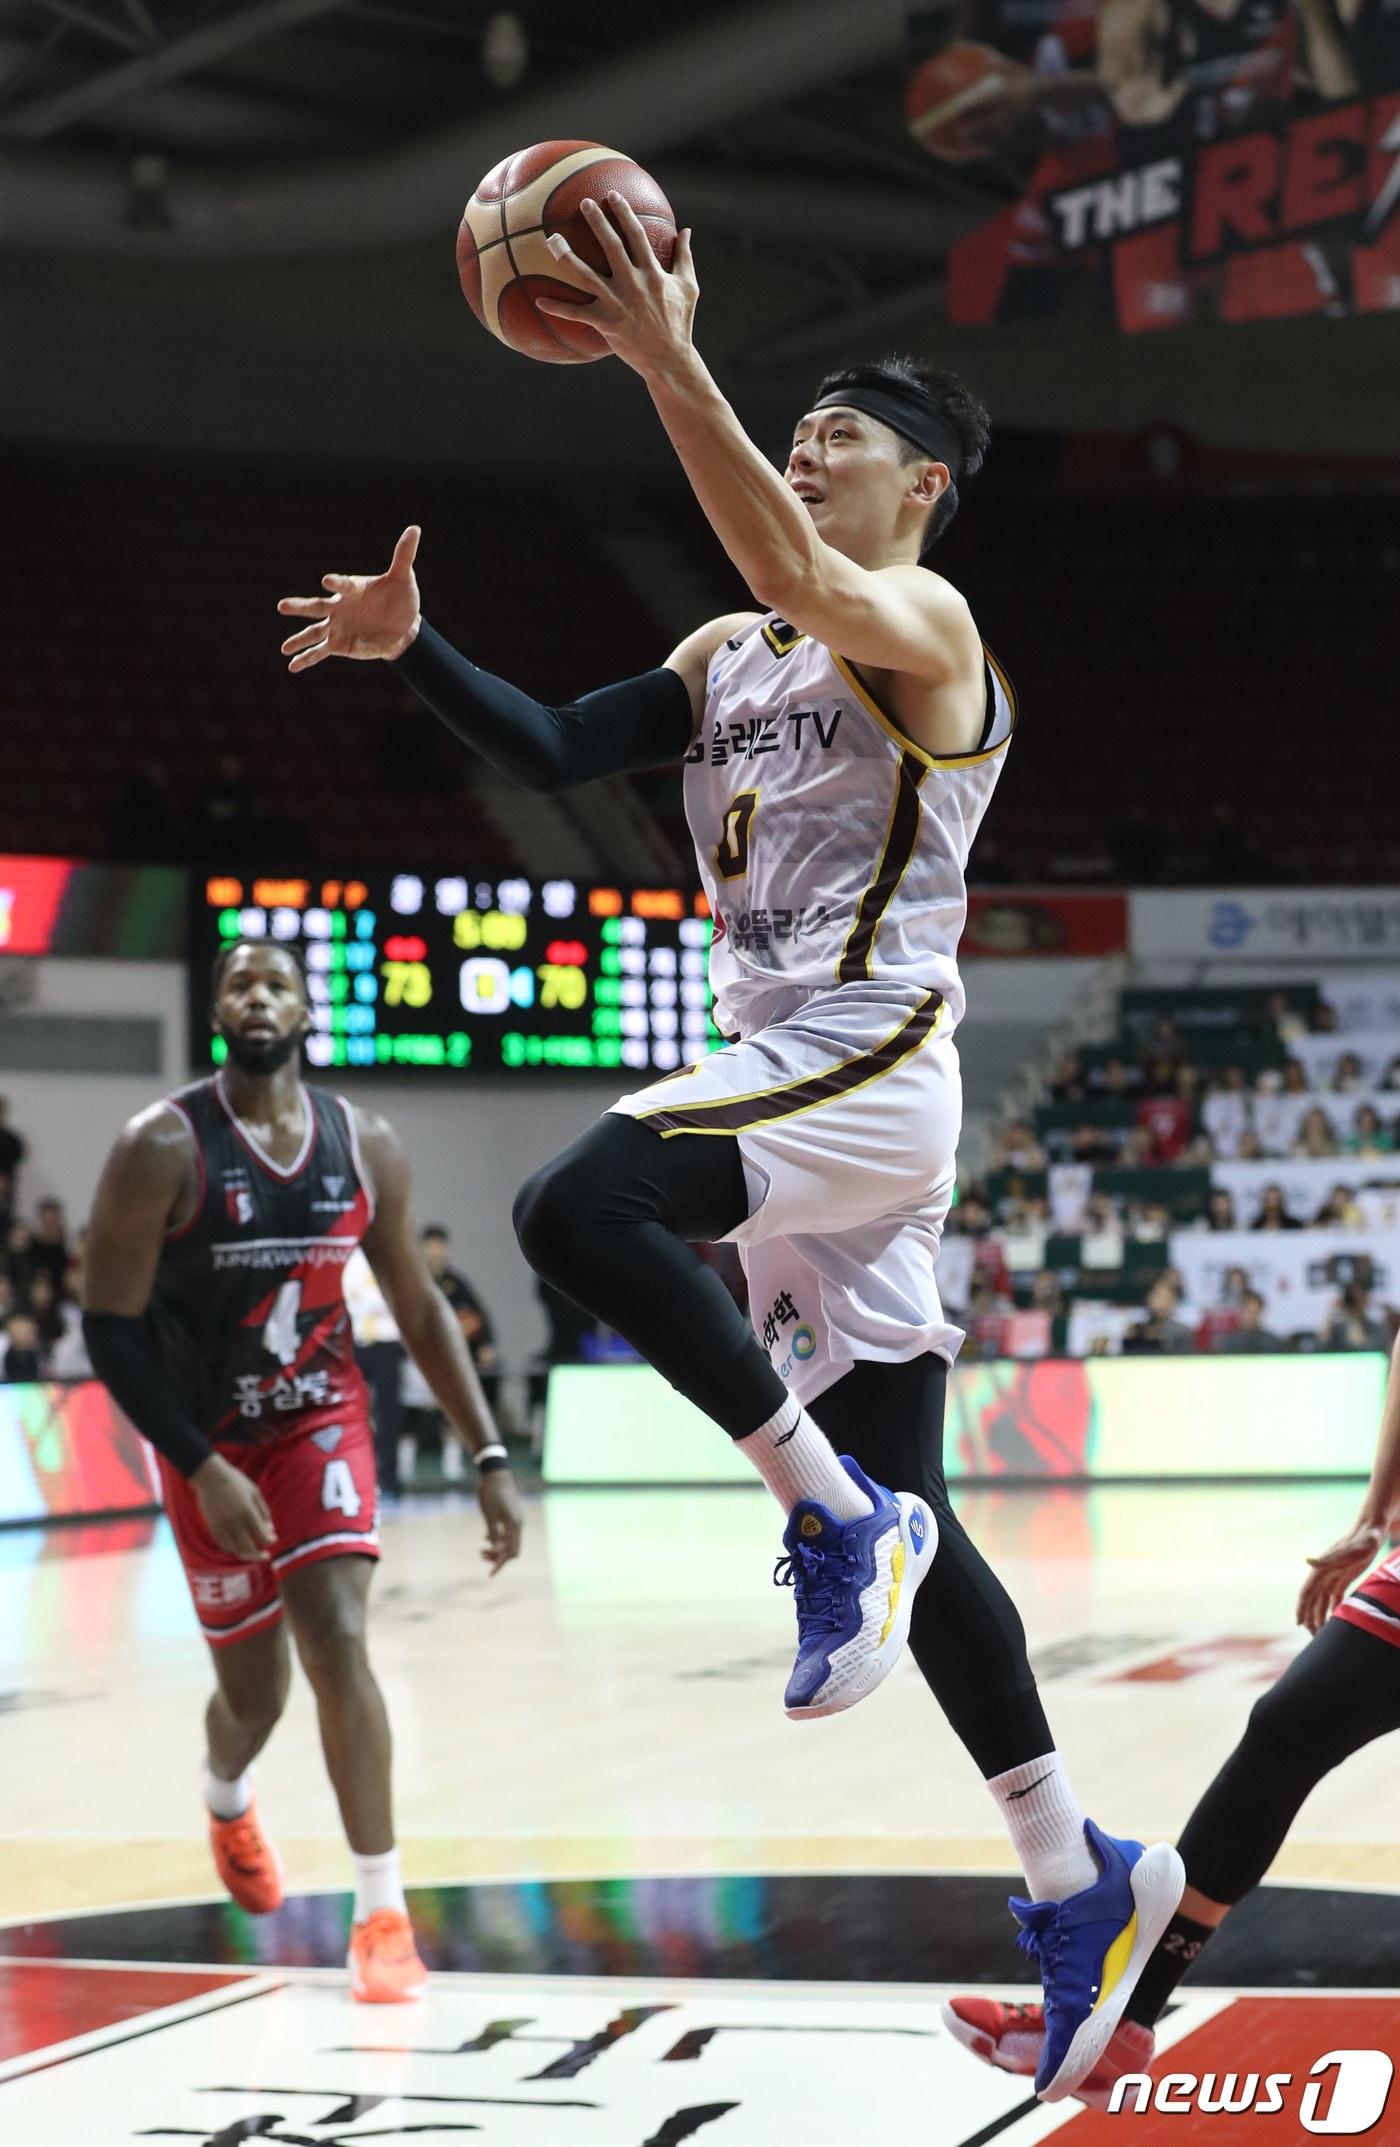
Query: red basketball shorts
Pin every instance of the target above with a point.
(318, 1478)
(1375, 1606)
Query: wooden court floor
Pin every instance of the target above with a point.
(612, 1704)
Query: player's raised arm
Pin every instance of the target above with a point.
(432, 1336)
(1334, 1570)
(148, 1177)
(894, 616)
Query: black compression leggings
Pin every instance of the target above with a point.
(1341, 1693)
(608, 1223)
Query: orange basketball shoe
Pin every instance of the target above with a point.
(383, 1960)
(247, 1862)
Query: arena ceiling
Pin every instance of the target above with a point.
(181, 131)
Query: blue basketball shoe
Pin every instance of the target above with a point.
(1091, 1950)
(855, 1583)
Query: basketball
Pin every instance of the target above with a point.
(503, 256)
(952, 98)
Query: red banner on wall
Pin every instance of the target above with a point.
(1014, 921)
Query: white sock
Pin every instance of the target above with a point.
(227, 1800)
(1045, 1820)
(797, 1461)
(377, 1884)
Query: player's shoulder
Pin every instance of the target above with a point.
(160, 1136)
(931, 589)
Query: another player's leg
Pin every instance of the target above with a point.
(610, 1223)
(240, 1616)
(253, 1675)
(327, 1602)
(1339, 1695)
(1099, 1904)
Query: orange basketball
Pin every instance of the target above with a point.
(502, 257)
(951, 98)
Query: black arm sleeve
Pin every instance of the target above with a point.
(642, 723)
(122, 1360)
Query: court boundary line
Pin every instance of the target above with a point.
(157, 2022)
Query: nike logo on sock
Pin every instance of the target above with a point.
(1013, 1796)
(784, 1436)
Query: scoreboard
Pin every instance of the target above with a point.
(458, 973)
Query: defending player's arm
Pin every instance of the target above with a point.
(896, 618)
(1335, 1571)
(147, 1180)
(432, 1336)
(643, 722)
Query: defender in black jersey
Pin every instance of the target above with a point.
(214, 1312)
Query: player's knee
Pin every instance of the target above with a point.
(332, 1644)
(1272, 1729)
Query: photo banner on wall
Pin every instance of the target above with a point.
(1234, 162)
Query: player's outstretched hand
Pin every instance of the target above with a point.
(1333, 1573)
(504, 1516)
(235, 1511)
(363, 616)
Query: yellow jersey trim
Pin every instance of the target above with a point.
(909, 745)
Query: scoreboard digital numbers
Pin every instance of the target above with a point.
(469, 975)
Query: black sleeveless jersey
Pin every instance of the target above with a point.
(247, 1314)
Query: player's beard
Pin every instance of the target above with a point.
(260, 1054)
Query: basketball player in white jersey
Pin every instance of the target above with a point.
(840, 745)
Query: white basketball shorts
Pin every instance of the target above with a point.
(847, 1116)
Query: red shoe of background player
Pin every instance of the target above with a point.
(383, 1961)
(1010, 2038)
(247, 1862)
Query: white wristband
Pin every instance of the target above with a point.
(491, 1453)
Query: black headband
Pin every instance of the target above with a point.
(908, 415)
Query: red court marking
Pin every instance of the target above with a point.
(1263, 2035)
(1204, 1656)
(47, 2002)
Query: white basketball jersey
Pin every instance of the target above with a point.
(833, 850)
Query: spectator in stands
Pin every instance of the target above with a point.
(987, 1314)
(1149, 1222)
(1390, 1079)
(1347, 1074)
(1316, 1134)
(1251, 1148)
(12, 1150)
(1369, 1136)
(1339, 1211)
(23, 1357)
(7, 1202)
(44, 1309)
(1161, 1056)
(1284, 1018)
(1019, 1149)
(1273, 1214)
(472, 1316)
(1068, 1084)
(1250, 1337)
(1233, 1288)
(971, 1216)
(1323, 1019)
(1220, 1209)
(18, 1258)
(9, 1298)
(1225, 1111)
(1161, 1334)
(230, 824)
(144, 825)
(1295, 1078)
(1116, 1078)
(48, 1250)
(1095, 1144)
(1169, 1120)
(1353, 1323)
